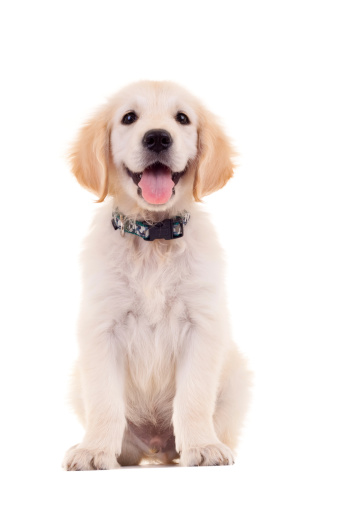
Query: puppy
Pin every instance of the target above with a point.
(158, 376)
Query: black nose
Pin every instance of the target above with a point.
(157, 140)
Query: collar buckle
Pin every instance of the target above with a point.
(162, 230)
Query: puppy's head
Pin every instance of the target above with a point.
(155, 145)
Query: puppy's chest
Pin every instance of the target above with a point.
(152, 315)
(153, 291)
(148, 290)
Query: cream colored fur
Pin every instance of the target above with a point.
(154, 336)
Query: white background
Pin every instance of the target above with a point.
(268, 69)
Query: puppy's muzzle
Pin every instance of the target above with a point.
(157, 140)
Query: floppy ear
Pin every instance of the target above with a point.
(90, 156)
(214, 164)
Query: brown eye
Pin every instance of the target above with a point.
(182, 119)
(129, 118)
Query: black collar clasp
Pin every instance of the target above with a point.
(163, 230)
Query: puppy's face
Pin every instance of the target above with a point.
(152, 145)
(154, 141)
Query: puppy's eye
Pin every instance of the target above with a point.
(182, 118)
(129, 118)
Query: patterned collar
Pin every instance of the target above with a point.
(170, 228)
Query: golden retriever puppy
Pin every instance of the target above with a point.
(158, 376)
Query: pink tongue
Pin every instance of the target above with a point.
(156, 184)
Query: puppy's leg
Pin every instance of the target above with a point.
(197, 379)
(233, 399)
(102, 378)
(75, 394)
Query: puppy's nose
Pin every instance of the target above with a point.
(157, 140)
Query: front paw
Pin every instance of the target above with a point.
(79, 458)
(208, 455)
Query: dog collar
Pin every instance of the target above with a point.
(170, 228)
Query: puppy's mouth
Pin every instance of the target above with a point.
(156, 183)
